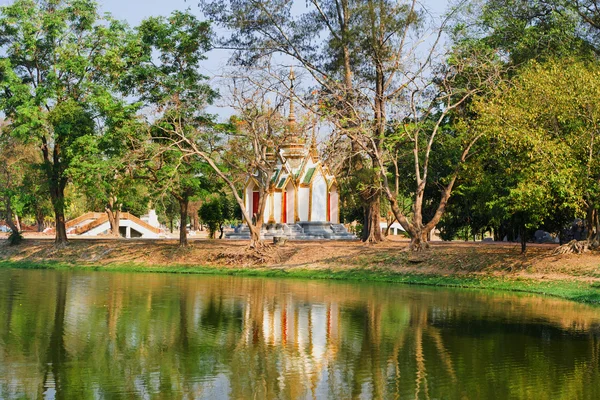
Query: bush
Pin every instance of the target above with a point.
(211, 213)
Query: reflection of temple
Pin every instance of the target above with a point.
(302, 200)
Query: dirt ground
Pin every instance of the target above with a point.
(443, 258)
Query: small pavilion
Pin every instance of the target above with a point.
(303, 198)
(302, 188)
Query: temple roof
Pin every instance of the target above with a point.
(297, 159)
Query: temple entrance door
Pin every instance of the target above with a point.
(284, 208)
(255, 199)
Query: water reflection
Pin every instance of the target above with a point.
(96, 335)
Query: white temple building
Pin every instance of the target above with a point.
(302, 188)
(303, 199)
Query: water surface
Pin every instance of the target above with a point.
(93, 335)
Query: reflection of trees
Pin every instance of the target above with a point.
(158, 336)
(56, 354)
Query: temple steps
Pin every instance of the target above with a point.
(303, 230)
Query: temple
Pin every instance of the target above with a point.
(302, 188)
(303, 199)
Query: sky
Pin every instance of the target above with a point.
(134, 11)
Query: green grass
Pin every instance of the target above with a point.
(571, 290)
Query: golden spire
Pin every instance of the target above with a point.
(313, 144)
(292, 116)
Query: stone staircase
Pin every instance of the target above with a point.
(91, 220)
(303, 230)
(340, 232)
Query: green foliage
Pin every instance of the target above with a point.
(522, 30)
(537, 167)
(59, 58)
(167, 80)
(215, 212)
(211, 213)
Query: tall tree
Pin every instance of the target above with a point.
(58, 56)
(246, 148)
(105, 172)
(166, 79)
(525, 29)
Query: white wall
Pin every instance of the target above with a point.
(249, 191)
(319, 199)
(277, 209)
(267, 211)
(303, 195)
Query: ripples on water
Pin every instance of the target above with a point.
(75, 335)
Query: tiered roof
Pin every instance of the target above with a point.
(296, 160)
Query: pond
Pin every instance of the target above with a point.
(95, 335)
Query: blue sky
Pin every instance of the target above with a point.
(134, 11)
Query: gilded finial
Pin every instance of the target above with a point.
(313, 143)
(292, 116)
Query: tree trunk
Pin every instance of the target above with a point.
(523, 234)
(60, 239)
(114, 217)
(18, 222)
(9, 217)
(596, 239)
(255, 241)
(57, 181)
(195, 222)
(183, 206)
(417, 244)
(39, 219)
(420, 240)
(222, 231)
(389, 226)
(58, 203)
(371, 228)
(589, 221)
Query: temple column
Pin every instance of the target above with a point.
(272, 208)
(296, 217)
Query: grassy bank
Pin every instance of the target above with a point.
(585, 291)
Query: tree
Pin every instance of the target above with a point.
(172, 86)
(105, 172)
(522, 30)
(169, 208)
(423, 106)
(59, 56)
(547, 122)
(214, 212)
(246, 148)
(14, 158)
(34, 192)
